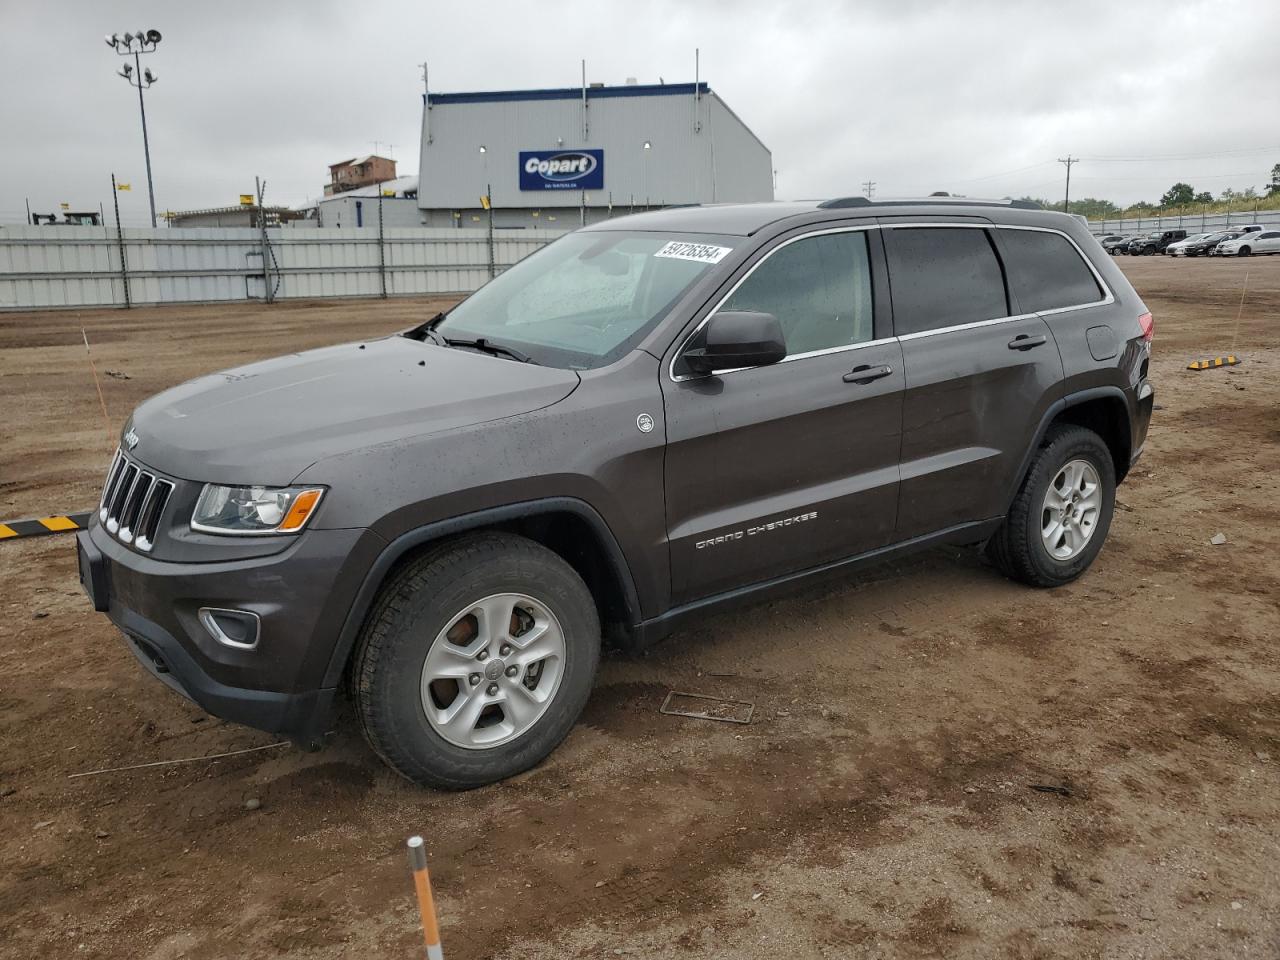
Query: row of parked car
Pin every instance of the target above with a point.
(1236, 242)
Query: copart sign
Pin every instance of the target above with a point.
(561, 169)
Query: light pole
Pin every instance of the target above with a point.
(134, 45)
(647, 147)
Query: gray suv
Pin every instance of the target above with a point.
(645, 420)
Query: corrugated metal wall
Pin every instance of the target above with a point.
(699, 153)
(43, 267)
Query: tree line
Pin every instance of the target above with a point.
(1179, 196)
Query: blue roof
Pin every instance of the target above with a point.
(571, 93)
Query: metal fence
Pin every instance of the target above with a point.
(52, 267)
(1191, 222)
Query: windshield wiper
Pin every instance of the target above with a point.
(488, 346)
(426, 330)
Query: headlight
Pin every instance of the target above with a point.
(254, 510)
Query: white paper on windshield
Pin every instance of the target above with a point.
(701, 252)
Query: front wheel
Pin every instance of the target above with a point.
(1245, 251)
(1060, 517)
(476, 661)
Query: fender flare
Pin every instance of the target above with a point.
(1065, 403)
(452, 526)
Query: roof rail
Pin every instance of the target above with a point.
(838, 203)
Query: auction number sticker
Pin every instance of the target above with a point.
(701, 252)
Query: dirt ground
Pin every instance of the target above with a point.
(942, 764)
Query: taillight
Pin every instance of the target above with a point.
(1148, 325)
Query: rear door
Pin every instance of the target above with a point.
(774, 469)
(979, 376)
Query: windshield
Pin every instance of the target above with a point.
(586, 299)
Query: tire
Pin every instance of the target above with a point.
(1018, 548)
(440, 591)
(1244, 252)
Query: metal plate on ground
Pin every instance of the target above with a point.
(702, 707)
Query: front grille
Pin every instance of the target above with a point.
(133, 500)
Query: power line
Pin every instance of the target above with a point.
(1215, 176)
(1216, 155)
(869, 188)
(1006, 173)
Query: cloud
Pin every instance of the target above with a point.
(914, 95)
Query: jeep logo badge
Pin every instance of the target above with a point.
(131, 439)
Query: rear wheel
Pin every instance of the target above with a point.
(476, 661)
(1059, 519)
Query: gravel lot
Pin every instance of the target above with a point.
(884, 803)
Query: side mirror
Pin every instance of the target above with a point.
(737, 338)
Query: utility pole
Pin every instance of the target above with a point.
(382, 247)
(260, 186)
(869, 188)
(124, 265)
(134, 45)
(488, 202)
(1066, 200)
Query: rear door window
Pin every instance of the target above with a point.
(943, 277)
(1046, 272)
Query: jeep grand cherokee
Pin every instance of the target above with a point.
(648, 418)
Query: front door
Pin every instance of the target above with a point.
(775, 469)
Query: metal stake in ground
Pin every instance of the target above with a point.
(426, 903)
(106, 420)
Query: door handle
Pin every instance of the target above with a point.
(866, 373)
(1025, 342)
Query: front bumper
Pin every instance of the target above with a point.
(301, 597)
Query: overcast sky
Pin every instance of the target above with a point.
(974, 97)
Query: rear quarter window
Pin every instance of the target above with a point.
(1046, 272)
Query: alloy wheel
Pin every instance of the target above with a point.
(493, 670)
(1072, 506)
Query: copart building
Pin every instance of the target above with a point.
(559, 158)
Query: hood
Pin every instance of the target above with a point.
(267, 422)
